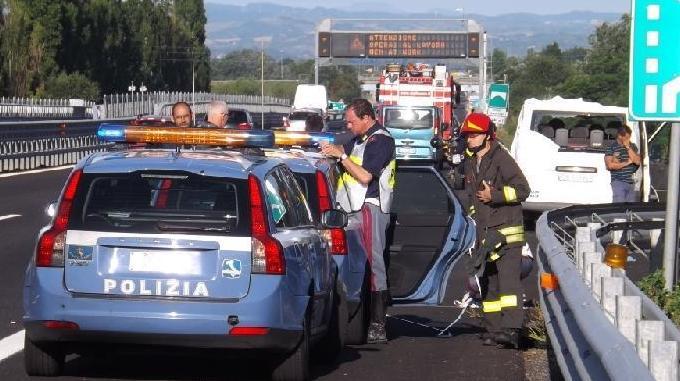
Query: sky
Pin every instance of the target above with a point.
(483, 7)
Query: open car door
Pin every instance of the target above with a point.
(428, 233)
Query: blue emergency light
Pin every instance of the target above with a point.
(121, 133)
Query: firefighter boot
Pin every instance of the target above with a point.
(376, 330)
(508, 338)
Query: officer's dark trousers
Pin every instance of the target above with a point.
(502, 288)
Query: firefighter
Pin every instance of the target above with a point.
(365, 191)
(494, 190)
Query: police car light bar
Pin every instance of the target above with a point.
(120, 133)
(302, 139)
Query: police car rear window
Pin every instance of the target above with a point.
(161, 202)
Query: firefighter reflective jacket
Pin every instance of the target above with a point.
(500, 221)
(351, 194)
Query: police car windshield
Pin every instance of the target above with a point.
(411, 118)
(161, 203)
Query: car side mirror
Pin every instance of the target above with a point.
(51, 209)
(333, 219)
(436, 142)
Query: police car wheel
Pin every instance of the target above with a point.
(45, 360)
(295, 367)
(331, 345)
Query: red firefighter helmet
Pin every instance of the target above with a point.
(478, 123)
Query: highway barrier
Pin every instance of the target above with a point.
(600, 324)
(31, 145)
(21, 155)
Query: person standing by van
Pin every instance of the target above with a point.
(622, 160)
(365, 192)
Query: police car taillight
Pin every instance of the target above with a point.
(337, 237)
(50, 252)
(267, 252)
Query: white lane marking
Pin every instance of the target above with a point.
(12, 344)
(36, 171)
(7, 217)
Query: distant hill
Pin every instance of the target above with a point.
(233, 27)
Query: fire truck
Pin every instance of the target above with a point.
(416, 104)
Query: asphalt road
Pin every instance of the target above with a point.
(413, 352)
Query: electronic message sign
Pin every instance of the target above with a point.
(398, 45)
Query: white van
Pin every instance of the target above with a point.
(309, 100)
(560, 144)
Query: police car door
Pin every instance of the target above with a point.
(428, 233)
(307, 259)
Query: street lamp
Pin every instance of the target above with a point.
(143, 89)
(132, 89)
(262, 40)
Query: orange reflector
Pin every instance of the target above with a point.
(248, 331)
(55, 324)
(549, 281)
(616, 256)
(302, 138)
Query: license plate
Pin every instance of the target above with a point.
(406, 150)
(575, 178)
(164, 262)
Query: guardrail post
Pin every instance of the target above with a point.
(656, 252)
(589, 258)
(594, 226)
(616, 235)
(583, 247)
(611, 288)
(628, 312)
(663, 360)
(647, 331)
(598, 272)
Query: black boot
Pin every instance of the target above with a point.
(508, 338)
(376, 330)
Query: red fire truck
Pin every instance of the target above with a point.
(420, 85)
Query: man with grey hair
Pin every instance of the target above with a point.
(218, 114)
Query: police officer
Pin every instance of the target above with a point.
(494, 190)
(365, 192)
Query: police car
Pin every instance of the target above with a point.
(207, 248)
(428, 232)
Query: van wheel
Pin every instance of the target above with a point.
(358, 324)
(43, 359)
(331, 345)
(295, 367)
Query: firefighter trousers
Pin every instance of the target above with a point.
(502, 291)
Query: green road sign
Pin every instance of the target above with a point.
(499, 94)
(655, 60)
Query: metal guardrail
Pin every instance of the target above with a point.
(21, 155)
(600, 324)
(131, 104)
(31, 145)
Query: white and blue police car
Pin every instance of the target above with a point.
(183, 247)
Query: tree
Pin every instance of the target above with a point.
(73, 85)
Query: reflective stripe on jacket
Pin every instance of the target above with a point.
(351, 194)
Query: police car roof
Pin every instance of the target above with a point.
(299, 161)
(217, 163)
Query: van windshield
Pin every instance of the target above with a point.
(409, 118)
(578, 131)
